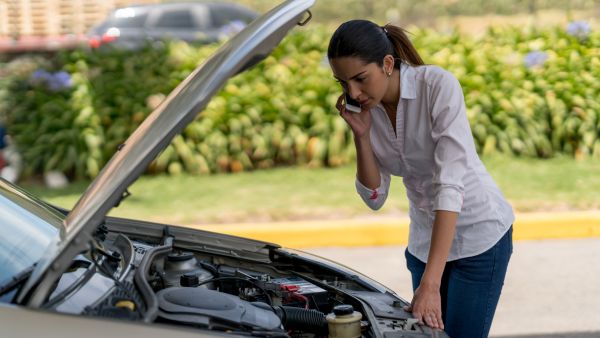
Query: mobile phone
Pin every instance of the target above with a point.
(351, 104)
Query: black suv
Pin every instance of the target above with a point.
(199, 22)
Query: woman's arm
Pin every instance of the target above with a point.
(442, 236)
(426, 304)
(367, 171)
(371, 184)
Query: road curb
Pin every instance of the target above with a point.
(378, 232)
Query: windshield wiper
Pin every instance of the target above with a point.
(17, 279)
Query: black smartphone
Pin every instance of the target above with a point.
(351, 104)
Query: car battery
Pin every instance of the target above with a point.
(314, 296)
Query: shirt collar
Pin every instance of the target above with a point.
(407, 81)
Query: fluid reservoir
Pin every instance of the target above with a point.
(344, 322)
(183, 266)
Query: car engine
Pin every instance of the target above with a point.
(213, 285)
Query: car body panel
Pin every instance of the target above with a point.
(25, 322)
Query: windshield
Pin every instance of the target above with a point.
(27, 228)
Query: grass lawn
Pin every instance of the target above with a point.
(302, 193)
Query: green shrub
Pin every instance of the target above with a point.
(529, 93)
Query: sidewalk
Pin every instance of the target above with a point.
(378, 231)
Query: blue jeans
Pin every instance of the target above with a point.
(470, 288)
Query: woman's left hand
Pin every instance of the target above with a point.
(426, 306)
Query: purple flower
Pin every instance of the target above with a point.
(40, 75)
(60, 80)
(535, 59)
(53, 81)
(579, 29)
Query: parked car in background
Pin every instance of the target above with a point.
(197, 22)
(80, 273)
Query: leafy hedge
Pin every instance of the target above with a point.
(529, 92)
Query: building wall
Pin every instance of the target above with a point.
(19, 18)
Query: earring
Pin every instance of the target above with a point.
(389, 74)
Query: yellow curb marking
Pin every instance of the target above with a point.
(350, 233)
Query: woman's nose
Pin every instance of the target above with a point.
(354, 91)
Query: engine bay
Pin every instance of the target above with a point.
(267, 293)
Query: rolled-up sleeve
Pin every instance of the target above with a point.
(452, 139)
(375, 198)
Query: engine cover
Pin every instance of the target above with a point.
(213, 309)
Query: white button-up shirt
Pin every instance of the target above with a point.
(432, 148)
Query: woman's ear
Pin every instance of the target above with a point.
(388, 64)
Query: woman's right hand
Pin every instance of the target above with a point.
(360, 123)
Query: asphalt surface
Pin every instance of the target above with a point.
(552, 287)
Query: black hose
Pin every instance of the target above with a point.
(210, 268)
(294, 318)
(141, 281)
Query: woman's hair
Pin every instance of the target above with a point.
(371, 43)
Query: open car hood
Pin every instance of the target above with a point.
(180, 108)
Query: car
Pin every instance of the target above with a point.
(196, 22)
(79, 272)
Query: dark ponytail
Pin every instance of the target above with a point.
(404, 49)
(371, 43)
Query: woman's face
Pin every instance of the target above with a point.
(366, 83)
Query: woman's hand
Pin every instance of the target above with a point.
(360, 123)
(426, 306)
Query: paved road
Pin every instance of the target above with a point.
(552, 288)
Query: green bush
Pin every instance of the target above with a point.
(74, 124)
(529, 92)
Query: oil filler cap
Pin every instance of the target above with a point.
(189, 280)
(343, 310)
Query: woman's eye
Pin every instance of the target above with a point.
(343, 84)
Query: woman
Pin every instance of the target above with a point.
(413, 124)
